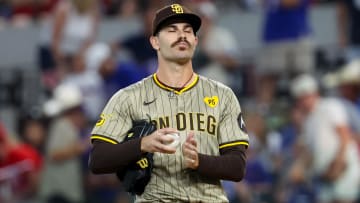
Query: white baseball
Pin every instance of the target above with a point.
(176, 141)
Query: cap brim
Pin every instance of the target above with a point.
(192, 19)
(52, 108)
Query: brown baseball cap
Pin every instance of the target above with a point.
(175, 13)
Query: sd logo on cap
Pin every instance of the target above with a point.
(175, 13)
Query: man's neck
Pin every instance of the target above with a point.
(174, 74)
(313, 104)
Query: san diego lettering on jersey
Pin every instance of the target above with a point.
(189, 121)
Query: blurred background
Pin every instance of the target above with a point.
(61, 60)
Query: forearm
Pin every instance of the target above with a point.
(59, 22)
(339, 160)
(229, 166)
(91, 39)
(342, 21)
(338, 164)
(110, 158)
(344, 138)
(336, 167)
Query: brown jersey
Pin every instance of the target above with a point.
(207, 107)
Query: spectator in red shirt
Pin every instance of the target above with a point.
(20, 167)
(23, 12)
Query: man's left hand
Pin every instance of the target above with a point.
(190, 152)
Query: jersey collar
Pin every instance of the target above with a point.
(171, 89)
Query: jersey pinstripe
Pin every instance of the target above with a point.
(207, 107)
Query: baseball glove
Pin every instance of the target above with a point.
(137, 174)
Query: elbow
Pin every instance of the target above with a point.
(93, 167)
(240, 175)
(100, 166)
(240, 170)
(236, 174)
(96, 165)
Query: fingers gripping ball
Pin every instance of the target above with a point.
(176, 140)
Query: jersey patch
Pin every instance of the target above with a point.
(211, 101)
(241, 123)
(101, 121)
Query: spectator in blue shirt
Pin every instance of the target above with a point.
(287, 48)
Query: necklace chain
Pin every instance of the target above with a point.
(178, 88)
(191, 76)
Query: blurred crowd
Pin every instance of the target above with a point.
(302, 112)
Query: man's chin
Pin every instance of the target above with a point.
(184, 56)
(183, 60)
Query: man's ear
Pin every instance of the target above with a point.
(154, 41)
(196, 40)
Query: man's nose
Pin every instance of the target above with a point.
(182, 34)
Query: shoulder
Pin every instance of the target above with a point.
(333, 106)
(213, 83)
(59, 126)
(331, 103)
(216, 86)
(59, 123)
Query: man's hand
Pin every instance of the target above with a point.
(190, 152)
(335, 170)
(338, 164)
(155, 142)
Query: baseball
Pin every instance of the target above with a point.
(176, 141)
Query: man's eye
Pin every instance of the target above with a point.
(188, 31)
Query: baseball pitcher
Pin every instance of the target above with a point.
(205, 113)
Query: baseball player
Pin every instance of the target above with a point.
(204, 112)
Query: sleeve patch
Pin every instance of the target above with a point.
(101, 120)
(241, 123)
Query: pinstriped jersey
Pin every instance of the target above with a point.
(207, 107)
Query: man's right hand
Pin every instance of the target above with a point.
(155, 142)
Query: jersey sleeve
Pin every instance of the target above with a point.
(114, 120)
(232, 130)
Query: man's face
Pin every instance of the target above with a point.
(176, 42)
(306, 102)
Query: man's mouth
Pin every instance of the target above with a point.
(183, 44)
